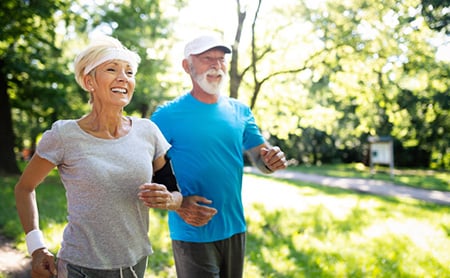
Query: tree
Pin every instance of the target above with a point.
(355, 64)
(258, 51)
(28, 54)
(378, 73)
(235, 76)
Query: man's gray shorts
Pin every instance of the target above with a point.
(223, 258)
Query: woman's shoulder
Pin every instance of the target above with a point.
(145, 128)
(59, 130)
(64, 125)
(139, 121)
(142, 123)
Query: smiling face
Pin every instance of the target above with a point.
(208, 70)
(112, 83)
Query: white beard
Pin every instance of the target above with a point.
(212, 88)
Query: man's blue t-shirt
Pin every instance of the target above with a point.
(208, 143)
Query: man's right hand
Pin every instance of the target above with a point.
(195, 214)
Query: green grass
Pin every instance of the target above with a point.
(295, 229)
(329, 232)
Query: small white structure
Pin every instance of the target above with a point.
(381, 152)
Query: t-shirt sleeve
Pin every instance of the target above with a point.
(50, 145)
(252, 134)
(161, 144)
(160, 119)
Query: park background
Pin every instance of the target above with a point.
(322, 77)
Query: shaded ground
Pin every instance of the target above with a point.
(13, 263)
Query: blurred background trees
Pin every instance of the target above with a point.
(321, 76)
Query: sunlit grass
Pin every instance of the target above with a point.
(294, 230)
(342, 234)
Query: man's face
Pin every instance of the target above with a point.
(209, 70)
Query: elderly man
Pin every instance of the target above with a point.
(209, 134)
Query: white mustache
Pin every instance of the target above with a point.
(215, 72)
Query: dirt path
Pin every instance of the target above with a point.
(375, 187)
(13, 263)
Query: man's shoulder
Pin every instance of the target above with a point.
(236, 104)
(233, 101)
(166, 111)
(173, 104)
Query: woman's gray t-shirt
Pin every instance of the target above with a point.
(107, 224)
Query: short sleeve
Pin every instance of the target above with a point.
(161, 144)
(50, 145)
(252, 134)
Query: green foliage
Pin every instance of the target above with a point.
(435, 15)
(32, 63)
(161, 263)
(9, 220)
(314, 146)
(370, 72)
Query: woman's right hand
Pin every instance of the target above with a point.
(43, 264)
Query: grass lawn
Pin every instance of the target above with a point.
(295, 229)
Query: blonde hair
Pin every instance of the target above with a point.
(99, 51)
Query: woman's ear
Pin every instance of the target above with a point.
(88, 84)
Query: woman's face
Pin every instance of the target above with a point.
(115, 83)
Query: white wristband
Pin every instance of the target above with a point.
(34, 240)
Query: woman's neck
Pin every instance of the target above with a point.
(106, 126)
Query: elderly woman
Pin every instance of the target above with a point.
(113, 168)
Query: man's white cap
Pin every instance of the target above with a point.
(204, 43)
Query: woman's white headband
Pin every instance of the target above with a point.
(116, 54)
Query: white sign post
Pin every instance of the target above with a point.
(381, 152)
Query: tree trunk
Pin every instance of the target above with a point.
(8, 163)
(235, 76)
